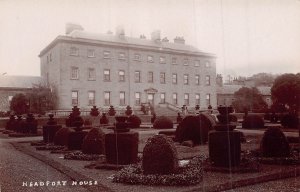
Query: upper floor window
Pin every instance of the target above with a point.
(207, 64)
(106, 75)
(74, 51)
(137, 57)
(185, 79)
(150, 59)
(90, 53)
(174, 78)
(197, 63)
(74, 97)
(207, 80)
(50, 57)
(91, 95)
(150, 77)
(162, 77)
(137, 76)
(106, 54)
(121, 75)
(122, 56)
(174, 61)
(197, 79)
(91, 74)
(74, 73)
(185, 62)
(162, 59)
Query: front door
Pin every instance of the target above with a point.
(150, 98)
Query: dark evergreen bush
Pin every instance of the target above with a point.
(134, 121)
(62, 136)
(253, 122)
(163, 122)
(159, 156)
(93, 143)
(104, 119)
(290, 121)
(94, 111)
(111, 111)
(195, 128)
(274, 143)
(128, 110)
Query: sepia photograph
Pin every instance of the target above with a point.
(149, 95)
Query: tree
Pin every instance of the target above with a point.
(19, 104)
(263, 79)
(286, 91)
(42, 99)
(249, 99)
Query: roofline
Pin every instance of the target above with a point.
(61, 38)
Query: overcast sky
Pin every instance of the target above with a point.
(247, 36)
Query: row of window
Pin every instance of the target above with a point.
(137, 76)
(74, 51)
(137, 95)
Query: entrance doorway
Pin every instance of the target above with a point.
(150, 98)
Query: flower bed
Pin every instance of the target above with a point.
(190, 174)
(78, 155)
(50, 147)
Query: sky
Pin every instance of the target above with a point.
(247, 36)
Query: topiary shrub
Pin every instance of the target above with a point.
(253, 122)
(159, 156)
(134, 121)
(104, 119)
(93, 142)
(195, 128)
(111, 111)
(163, 122)
(62, 136)
(290, 121)
(128, 110)
(274, 143)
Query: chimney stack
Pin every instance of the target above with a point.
(120, 32)
(179, 40)
(155, 36)
(70, 27)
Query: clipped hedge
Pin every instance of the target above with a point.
(62, 136)
(163, 122)
(93, 142)
(290, 121)
(253, 122)
(134, 121)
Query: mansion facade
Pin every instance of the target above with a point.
(89, 69)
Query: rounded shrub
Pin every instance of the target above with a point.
(274, 143)
(93, 142)
(253, 122)
(104, 119)
(289, 121)
(163, 122)
(134, 121)
(159, 156)
(195, 128)
(62, 136)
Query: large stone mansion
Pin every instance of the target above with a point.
(89, 69)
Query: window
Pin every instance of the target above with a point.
(150, 59)
(185, 79)
(162, 59)
(186, 99)
(207, 80)
(137, 98)
(50, 57)
(197, 79)
(106, 54)
(91, 74)
(122, 56)
(90, 53)
(74, 97)
(47, 59)
(91, 95)
(185, 62)
(122, 75)
(162, 97)
(207, 64)
(197, 99)
(122, 98)
(174, 78)
(174, 61)
(150, 77)
(208, 99)
(74, 51)
(137, 57)
(175, 99)
(137, 76)
(197, 63)
(74, 73)
(162, 78)
(106, 98)
(106, 75)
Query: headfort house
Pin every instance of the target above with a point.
(89, 69)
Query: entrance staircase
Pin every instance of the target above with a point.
(166, 109)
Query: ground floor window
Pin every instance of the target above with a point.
(91, 95)
(137, 98)
(186, 99)
(74, 97)
(197, 99)
(162, 97)
(175, 99)
(208, 99)
(106, 98)
(122, 98)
